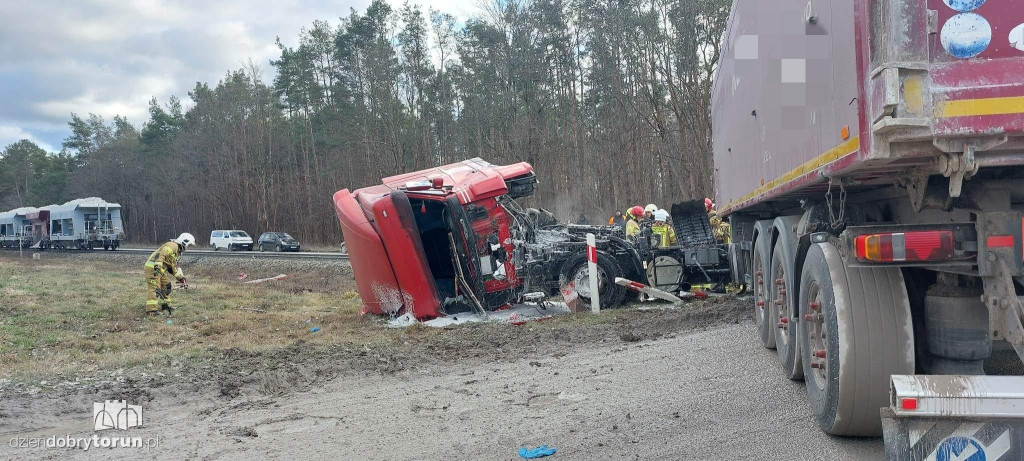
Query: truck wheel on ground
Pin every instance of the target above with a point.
(784, 318)
(576, 270)
(857, 333)
(762, 296)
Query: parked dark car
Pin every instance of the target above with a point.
(277, 241)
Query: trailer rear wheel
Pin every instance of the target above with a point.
(762, 298)
(856, 334)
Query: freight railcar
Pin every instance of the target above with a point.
(15, 230)
(84, 224)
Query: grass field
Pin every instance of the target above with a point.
(59, 317)
(68, 317)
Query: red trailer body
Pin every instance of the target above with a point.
(384, 241)
(869, 155)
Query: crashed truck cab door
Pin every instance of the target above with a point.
(389, 276)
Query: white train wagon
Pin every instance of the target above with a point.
(13, 225)
(85, 224)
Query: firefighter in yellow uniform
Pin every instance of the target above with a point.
(160, 267)
(719, 227)
(633, 223)
(661, 228)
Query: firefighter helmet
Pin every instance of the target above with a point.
(185, 239)
(636, 211)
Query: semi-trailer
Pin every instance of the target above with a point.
(869, 156)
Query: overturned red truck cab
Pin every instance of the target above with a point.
(400, 236)
(453, 239)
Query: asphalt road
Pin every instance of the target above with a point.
(714, 394)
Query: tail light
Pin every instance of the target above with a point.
(906, 246)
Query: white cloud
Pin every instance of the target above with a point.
(110, 57)
(12, 134)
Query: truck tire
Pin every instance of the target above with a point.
(784, 306)
(575, 268)
(738, 268)
(957, 333)
(858, 334)
(760, 291)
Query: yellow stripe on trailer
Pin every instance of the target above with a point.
(986, 106)
(842, 150)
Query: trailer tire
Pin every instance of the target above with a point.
(611, 294)
(761, 295)
(737, 267)
(787, 338)
(865, 332)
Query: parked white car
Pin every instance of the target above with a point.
(230, 240)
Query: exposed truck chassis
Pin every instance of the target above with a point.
(549, 254)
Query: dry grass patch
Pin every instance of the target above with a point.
(88, 317)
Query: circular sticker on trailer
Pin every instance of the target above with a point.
(960, 449)
(964, 6)
(1017, 37)
(966, 35)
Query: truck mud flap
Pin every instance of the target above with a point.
(692, 226)
(954, 418)
(920, 439)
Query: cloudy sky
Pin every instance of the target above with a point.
(111, 57)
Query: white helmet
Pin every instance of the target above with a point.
(661, 216)
(185, 239)
(650, 208)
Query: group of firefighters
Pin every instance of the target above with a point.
(636, 217)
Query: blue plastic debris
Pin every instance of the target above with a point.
(314, 330)
(539, 452)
